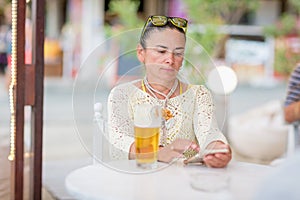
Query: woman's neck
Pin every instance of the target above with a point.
(161, 85)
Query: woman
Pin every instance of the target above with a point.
(190, 121)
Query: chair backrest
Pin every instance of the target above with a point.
(296, 134)
(293, 139)
(100, 135)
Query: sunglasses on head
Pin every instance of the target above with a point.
(158, 20)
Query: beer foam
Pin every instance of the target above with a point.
(146, 115)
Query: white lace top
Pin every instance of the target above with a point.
(193, 119)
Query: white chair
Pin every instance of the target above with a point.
(260, 135)
(100, 136)
(293, 139)
(293, 144)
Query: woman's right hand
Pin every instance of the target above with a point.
(176, 149)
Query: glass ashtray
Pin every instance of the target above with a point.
(209, 181)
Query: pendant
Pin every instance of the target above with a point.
(168, 118)
(167, 114)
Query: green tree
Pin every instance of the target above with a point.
(296, 5)
(219, 11)
(126, 19)
(206, 16)
(211, 14)
(126, 12)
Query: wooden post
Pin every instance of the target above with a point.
(28, 90)
(38, 12)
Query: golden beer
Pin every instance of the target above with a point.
(147, 123)
(146, 144)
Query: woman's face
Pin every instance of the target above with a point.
(163, 54)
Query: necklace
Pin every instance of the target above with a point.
(168, 121)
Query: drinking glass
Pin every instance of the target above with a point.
(147, 124)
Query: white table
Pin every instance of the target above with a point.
(171, 182)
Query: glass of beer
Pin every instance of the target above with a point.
(147, 124)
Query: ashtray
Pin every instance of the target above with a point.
(209, 181)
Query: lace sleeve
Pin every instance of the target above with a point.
(205, 124)
(120, 123)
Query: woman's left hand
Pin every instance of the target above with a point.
(217, 160)
(175, 150)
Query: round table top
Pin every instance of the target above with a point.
(123, 180)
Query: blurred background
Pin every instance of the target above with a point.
(258, 39)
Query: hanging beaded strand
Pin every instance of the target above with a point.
(166, 112)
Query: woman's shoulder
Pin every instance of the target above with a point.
(126, 88)
(198, 88)
(127, 85)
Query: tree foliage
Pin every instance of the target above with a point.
(296, 5)
(126, 11)
(211, 14)
(219, 11)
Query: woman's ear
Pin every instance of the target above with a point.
(140, 53)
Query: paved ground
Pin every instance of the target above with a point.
(65, 151)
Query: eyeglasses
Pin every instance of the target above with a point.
(157, 20)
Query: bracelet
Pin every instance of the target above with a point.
(189, 153)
